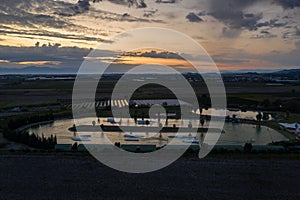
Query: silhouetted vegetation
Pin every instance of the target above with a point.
(74, 147)
(31, 140)
(247, 148)
(13, 123)
(19, 121)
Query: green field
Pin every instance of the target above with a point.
(16, 91)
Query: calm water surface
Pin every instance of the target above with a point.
(234, 133)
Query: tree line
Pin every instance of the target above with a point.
(10, 131)
(32, 140)
(19, 121)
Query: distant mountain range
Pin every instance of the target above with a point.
(263, 71)
(288, 71)
(49, 70)
(37, 70)
(244, 71)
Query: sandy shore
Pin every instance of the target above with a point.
(83, 177)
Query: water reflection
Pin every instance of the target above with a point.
(251, 115)
(235, 133)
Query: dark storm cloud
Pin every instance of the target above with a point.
(288, 3)
(65, 57)
(263, 35)
(237, 21)
(286, 35)
(41, 13)
(231, 12)
(202, 13)
(110, 16)
(192, 17)
(38, 15)
(297, 31)
(50, 52)
(35, 24)
(228, 10)
(249, 21)
(230, 33)
(41, 6)
(167, 55)
(141, 4)
(24, 12)
(32, 20)
(155, 54)
(80, 7)
(33, 32)
(130, 3)
(149, 13)
(165, 1)
(273, 23)
(262, 24)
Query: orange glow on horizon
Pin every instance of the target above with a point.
(38, 63)
(137, 60)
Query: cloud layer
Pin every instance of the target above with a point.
(269, 26)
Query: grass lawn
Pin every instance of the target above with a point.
(252, 97)
(292, 118)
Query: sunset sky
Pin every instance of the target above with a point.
(237, 34)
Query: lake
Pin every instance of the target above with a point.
(235, 133)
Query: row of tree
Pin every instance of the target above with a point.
(19, 121)
(13, 123)
(31, 140)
